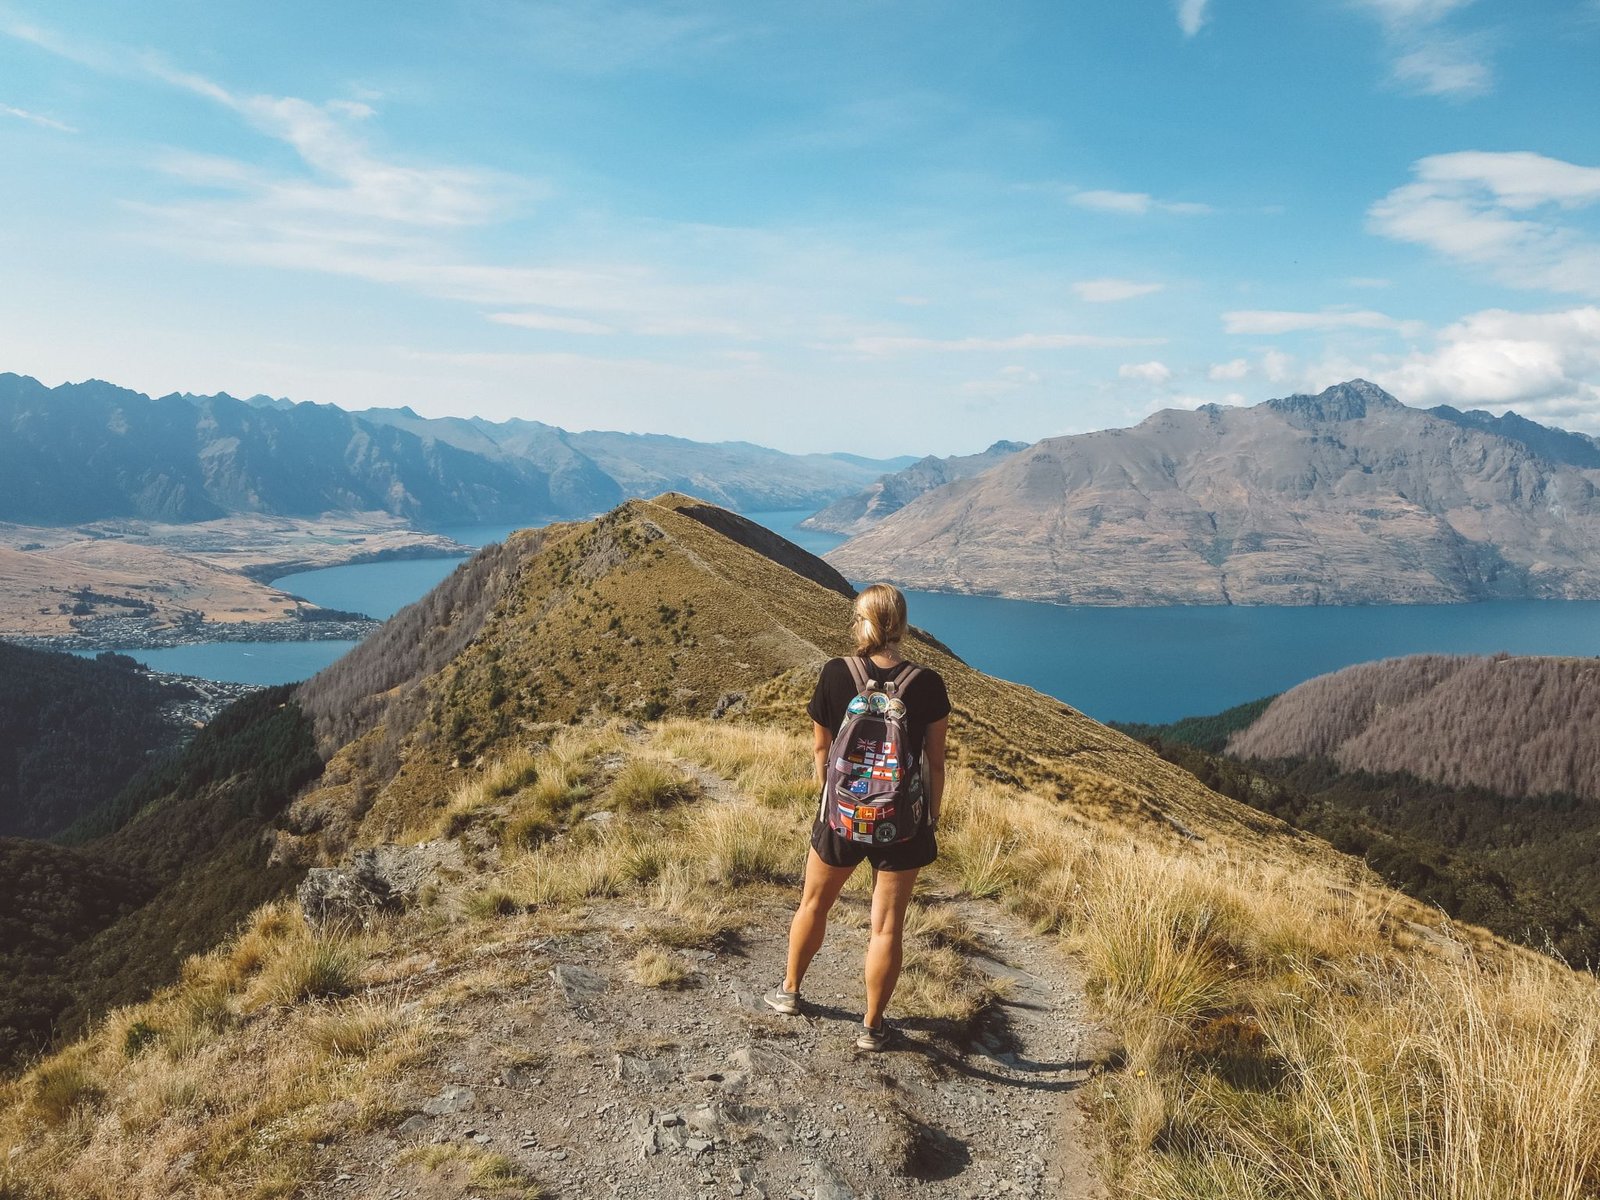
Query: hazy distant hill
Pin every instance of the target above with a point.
(90, 451)
(1346, 497)
(893, 492)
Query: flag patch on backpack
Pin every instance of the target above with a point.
(870, 794)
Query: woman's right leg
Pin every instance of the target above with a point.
(822, 887)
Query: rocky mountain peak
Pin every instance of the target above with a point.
(1348, 401)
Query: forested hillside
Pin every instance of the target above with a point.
(73, 731)
(166, 868)
(1516, 726)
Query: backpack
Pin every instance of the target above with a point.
(871, 794)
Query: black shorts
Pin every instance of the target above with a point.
(839, 851)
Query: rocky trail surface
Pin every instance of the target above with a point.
(553, 1055)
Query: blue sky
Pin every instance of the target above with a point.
(919, 227)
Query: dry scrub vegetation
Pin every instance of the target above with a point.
(1286, 1034)
(1286, 1031)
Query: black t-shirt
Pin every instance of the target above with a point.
(926, 699)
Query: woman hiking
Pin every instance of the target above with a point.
(914, 706)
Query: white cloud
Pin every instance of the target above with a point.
(1133, 203)
(1109, 291)
(1236, 369)
(23, 114)
(880, 344)
(1154, 372)
(1192, 15)
(1272, 323)
(1450, 67)
(1008, 379)
(1426, 57)
(1545, 365)
(551, 322)
(1479, 208)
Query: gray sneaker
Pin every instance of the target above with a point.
(877, 1038)
(787, 1003)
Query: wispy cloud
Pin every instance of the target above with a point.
(1133, 203)
(1503, 212)
(1109, 291)
(553, 322)
(1271, 323)
(1192, 15)
(1154, 371)
(1426, 55)
(23, 114)
(882, 344)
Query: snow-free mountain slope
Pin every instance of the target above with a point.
(1347, 497)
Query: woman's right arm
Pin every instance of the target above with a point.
(821, 743)
(933, 747)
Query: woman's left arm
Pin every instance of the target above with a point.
(933, 747)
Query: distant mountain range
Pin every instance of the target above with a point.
(1346, 497)
(862, 511)
(92, 451)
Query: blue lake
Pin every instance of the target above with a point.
(1133, 664)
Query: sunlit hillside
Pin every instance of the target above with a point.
(572, 786)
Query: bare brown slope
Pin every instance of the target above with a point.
(1517, 726)
(1343, 498)
(650, 612)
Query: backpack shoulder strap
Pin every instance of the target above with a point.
(903, 680)
(858, 673)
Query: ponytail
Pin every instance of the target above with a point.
(880, 618)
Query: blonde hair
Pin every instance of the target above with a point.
(880, 618)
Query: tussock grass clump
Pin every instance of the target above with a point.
(353, 1029)
(940, 983)
(483, 1169)
(535, 792)
(311, 968)
(645, 785)
(659, 969)
(739, 847)
(61, 1087)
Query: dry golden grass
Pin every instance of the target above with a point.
(771, 766)
(480, 1169)
(1285, 1037)
(222, 1071)
(644, 785)
(659, 969)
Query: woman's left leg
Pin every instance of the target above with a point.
(891, 893)
(822, 887)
